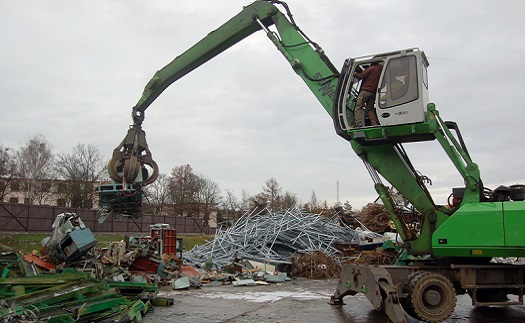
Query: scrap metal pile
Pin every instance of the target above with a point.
(74, 282)
(275, 237)
(29, 295)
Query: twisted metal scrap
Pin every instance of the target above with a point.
(272, 236)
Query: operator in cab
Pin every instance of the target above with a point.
(367, 94)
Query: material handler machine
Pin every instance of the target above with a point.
(448, 250)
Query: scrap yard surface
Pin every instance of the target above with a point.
(299, 300)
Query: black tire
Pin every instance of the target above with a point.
(405, 301)
(431, 297)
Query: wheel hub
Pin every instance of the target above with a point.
(432, 297)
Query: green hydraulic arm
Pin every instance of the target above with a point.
(390, 160)
(306, 58)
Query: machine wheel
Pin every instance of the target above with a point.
(405, 301)
(431, 296)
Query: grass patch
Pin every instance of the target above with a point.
(189, 241)
(24, 242)
(27, 242)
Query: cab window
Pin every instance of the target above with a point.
(425, 75)
(399, 84)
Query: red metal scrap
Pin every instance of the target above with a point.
(39, 262)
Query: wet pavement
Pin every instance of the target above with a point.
(299, 300)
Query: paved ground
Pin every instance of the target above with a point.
(300, 300)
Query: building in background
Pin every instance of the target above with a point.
(54, 192)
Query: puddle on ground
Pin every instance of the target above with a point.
(267, 296)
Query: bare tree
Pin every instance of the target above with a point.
(192, 194)
(183, 190)
(80, 170)
(230, 201)
(324, 209)
(245, 201)
(229, 207)
(157, 194)
(258, 202)
(313, 201)
(289, 200)
(313, 205)
(208, 197)
(7, 170)
(272, 191)
(34, 162)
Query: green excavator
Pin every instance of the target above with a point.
(448, 251)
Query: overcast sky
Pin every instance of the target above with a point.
(72, 70)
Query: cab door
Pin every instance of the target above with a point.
(403, 90)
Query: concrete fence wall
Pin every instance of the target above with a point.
(36, 218)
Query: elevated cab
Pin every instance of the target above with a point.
(401, 103)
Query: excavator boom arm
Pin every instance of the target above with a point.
(217, 41)
(306, 58)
